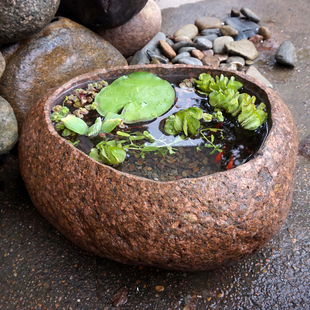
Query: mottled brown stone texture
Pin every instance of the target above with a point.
(189, 224)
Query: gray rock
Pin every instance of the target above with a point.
(219, 44)
(140, 57)
(250, 15)
(2, 64)
(237, 60)
(245, 28)
(243, 48)
(253, 72)
(207, 32)
(186, 49)
(188, 30)
(201, 43)
(228, 66)
(8, 127)
(21, 19)
(210, 37)
(286, 54)
(152, 55)
(190, 61)
(179, 56)
(181, 44)
(207, 22)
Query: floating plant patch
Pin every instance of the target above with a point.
(214, 125)
(140, 96)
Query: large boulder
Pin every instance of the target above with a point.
(8, 127)
(21, 19)
(101, 13)
(132, 36)
(61, 51)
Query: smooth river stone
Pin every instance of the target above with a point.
(179, 56)
(249, 14)
(211, 61)
(59, 52)
(202, 43)
(227, 30)
(167, 49)
(207, 32)
(190, 61)
(219, 44)
(243, 48)
(245, 28)
(207, 22)
(286, 54)
(189, 30)
(237, 60)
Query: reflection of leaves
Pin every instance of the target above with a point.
(120, 297)
(141, 96)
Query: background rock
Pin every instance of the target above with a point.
(8, 127)
(133, 35)
(100, 13)
(2, 64)
(21, 19)
(61, 51)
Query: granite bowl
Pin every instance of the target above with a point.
(189, 224)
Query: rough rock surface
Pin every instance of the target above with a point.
(138, 31)
(244, 48)
(2, 64)
(62, 50)
(21, 19)
(8, 127)
(100, 13)
(189, 224)
(286, 54)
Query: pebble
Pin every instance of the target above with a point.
(249, 14)
(246, 28)
(2, 64)
(304, 147)
(8, 127)
(167, 49)
(207, 22)
(228, 66)
(221, 57)
(180, 44)
(207, 32)
(237, 60)
(198, 54)
(181, 38)
(286, 54)
(234, 13)
(211, 61)
(211, 37)
(265, 32)
(185, 49)
(219, 44)
(179, 56)
(249, 62)
(253, 72)
(227, 30)
(202, 43)
(257, 38)
(141, 57)
(208, 52)
(188, 30)
(154, 56)
(244, 48)
(190, 61)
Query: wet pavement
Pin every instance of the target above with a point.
(41, 269)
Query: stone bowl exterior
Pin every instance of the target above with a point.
(189, 224)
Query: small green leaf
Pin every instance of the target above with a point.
(75, 124)
(94, 130)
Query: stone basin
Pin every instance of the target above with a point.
(189, 224)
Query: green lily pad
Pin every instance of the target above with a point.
(140, 96)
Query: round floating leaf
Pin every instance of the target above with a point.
(140, 96)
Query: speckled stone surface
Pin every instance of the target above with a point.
(101, 13)
(61, 51)
(189, 224)
(21, 19)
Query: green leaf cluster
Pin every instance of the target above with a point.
(223, 94)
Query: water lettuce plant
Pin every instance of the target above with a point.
(223, 94)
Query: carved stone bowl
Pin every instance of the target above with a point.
(189, 224)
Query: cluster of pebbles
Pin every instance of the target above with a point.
(211, 42)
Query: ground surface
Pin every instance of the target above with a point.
(40, 269)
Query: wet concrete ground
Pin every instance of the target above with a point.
(41, 269)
